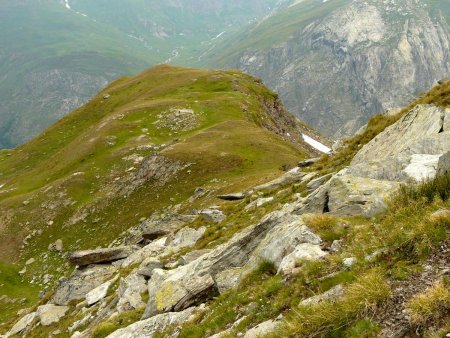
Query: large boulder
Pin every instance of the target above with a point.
(347, 195)
(149, 327)
(282, 240)
(49, 314)
(86, 257)
(416, 147)
(77, 286)
(187, 237)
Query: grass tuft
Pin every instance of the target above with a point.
(430, 304)
(361, 299)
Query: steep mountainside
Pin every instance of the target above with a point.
(163, 205)
(142, 146)
(56, 54)
(336, 63)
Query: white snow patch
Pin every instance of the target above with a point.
(316, 144)
(218, 36)
(68, 5)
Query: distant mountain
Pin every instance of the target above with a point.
(336, 63)
(56, 54)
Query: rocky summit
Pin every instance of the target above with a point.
(188, 203)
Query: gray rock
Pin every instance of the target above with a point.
(440, 214)
(149, 327)
(187, 237)
(86, 257)
(56, 246)
(258, 203)
(331, 295)
(151, 235)
(263, 329)
(336, 246)
(282, 240)
(81, 282)
(192, 256)
(349, 262)
(346, 195)
(152, 250)
(232, 197)
(130, 290)
(49, 314)
(317, 182)
(148, 265)
(22, 325)
(97, 294)
(292, 176)
(228, 279)
(304, 251)
(415, 147)
(309, 162)
(213, 215)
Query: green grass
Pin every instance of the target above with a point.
(228, 143)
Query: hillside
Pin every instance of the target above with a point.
(57, 54)
(337, 63)
(141, 147)
(163, 204)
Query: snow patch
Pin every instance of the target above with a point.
(68, 5)
(316, 144)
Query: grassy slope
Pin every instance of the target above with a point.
(226, 145)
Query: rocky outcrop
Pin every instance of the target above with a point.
(86, 257)
(22, 325)
(417, 147)
(353, 60)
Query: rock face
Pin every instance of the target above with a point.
(416, 147)
(98, 293)
(353, 60)
(87, 257)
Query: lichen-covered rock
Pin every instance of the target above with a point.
(213, 215)
(192, 256)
